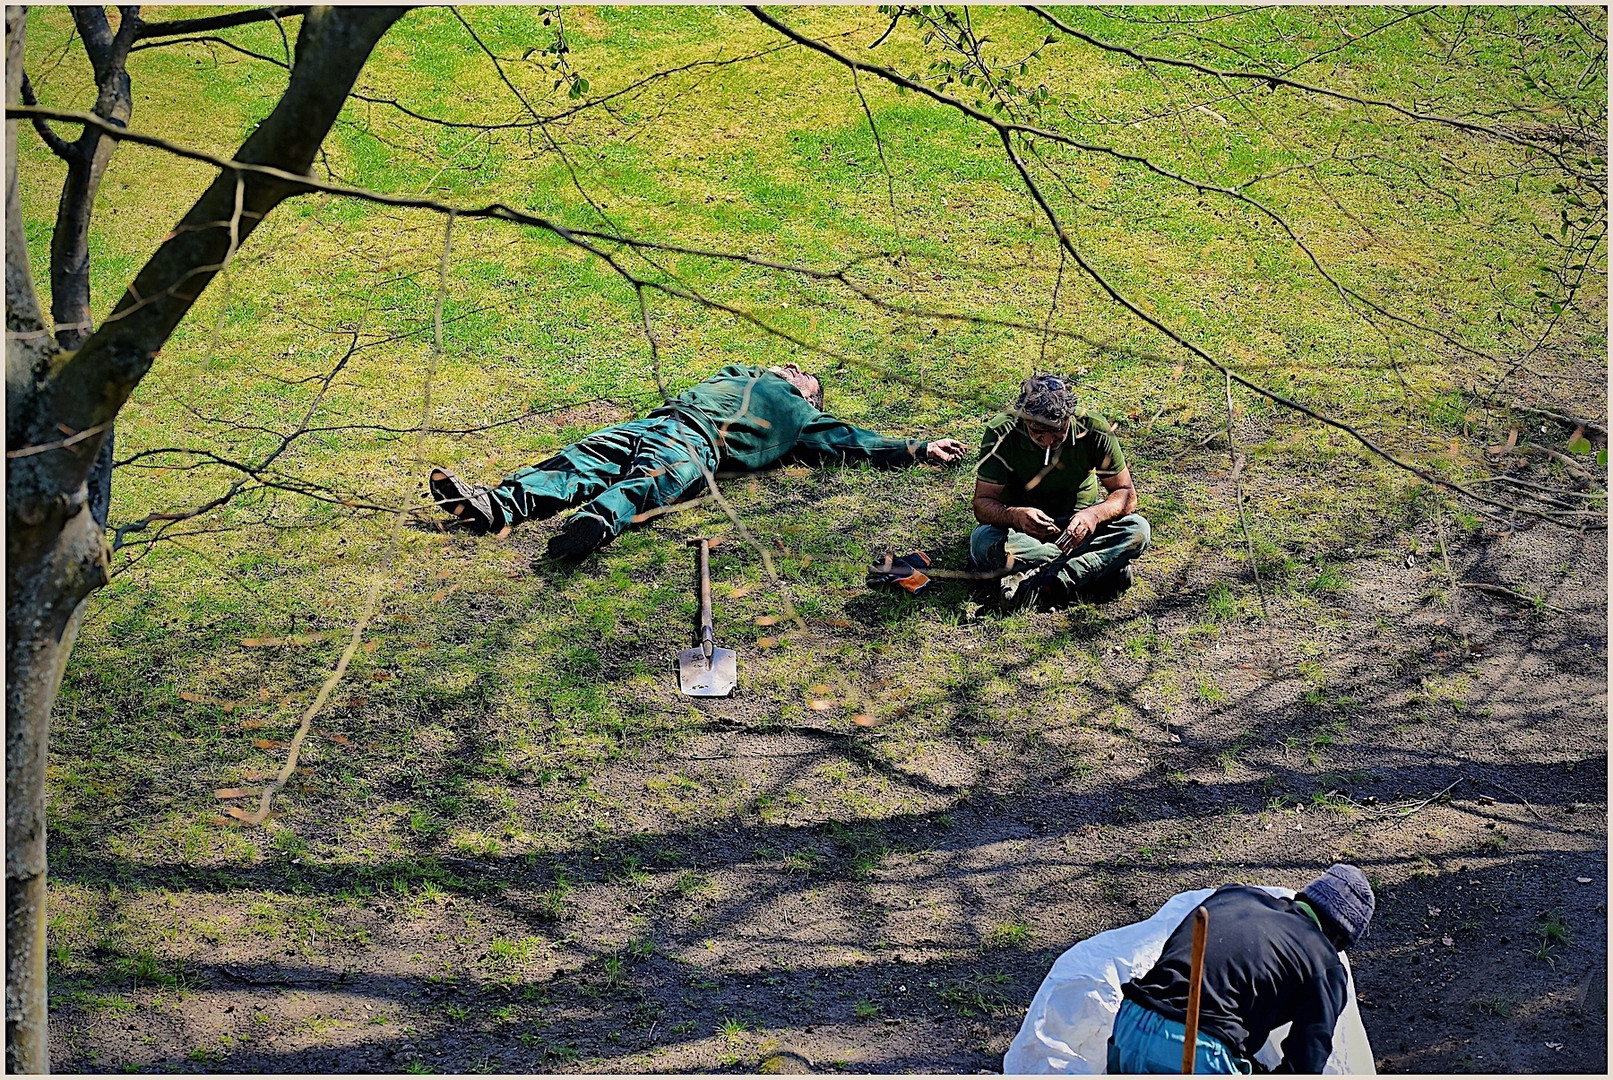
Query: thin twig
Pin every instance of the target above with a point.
(388, 561)
(1402, 814)
(1206, 441)
(1456, 616)
(1527, 804)
(658, 511)
(226, 271)
(1512, 594)
(30, 451)
(1053, 305)
(1237, 493)
(209, 39)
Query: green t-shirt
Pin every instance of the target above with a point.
(1057, 483)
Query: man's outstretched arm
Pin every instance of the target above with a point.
(828, 439)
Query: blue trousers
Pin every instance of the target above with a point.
(1146, 1042)
(1114, 545)
(614, 474)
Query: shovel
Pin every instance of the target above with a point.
(705, 670)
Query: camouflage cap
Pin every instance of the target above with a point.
(1045, 399)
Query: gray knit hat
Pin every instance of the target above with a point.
(1344, 896)
(1045, 399)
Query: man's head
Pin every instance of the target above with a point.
(810, 386)
(1343, 899)
(1045, 405)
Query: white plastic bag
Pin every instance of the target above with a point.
(1067, 1027)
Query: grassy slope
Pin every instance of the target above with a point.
(545, 677)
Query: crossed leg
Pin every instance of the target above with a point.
(1104, 555)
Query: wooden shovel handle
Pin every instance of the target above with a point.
(1195, 984)
(703, 632)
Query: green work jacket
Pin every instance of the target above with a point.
(754, 416)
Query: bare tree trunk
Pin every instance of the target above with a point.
(28, 349)
(36, 655)
(55, 550)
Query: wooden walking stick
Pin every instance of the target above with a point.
(1195, 983)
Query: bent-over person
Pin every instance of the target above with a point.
(1267, 962)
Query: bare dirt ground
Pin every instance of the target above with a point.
(870, 917)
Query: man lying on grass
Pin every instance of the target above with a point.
(1267, 962)
(1053, 482)
(740, 418)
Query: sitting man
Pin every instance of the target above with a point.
(1037, 496)
(1267, 962)
(742, 417)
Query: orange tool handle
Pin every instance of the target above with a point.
(1195, 983)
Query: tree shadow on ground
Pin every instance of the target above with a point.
(965, 883)
(601, 1017)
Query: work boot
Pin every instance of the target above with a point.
(1109, 587)
(581, 536)
(468, 504)
(1008, 586)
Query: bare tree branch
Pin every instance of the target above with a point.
(1352, 40)
(211, 39)
(1276, 80)
(58, 146)
(177, 27)
(1006, 132)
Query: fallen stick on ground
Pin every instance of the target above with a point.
(655, 512)
(1588, 425)
(1400, 813)
(1575, 468)
(1514, 594)
(1440, 794)
(1527, 804)
(1198, 445)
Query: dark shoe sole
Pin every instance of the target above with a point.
(467, 504)
(579, 538)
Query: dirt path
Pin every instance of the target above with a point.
(756, 898)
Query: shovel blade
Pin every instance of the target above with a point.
(697, 679)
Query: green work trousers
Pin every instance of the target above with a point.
(614, 475)
(1114, 545)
